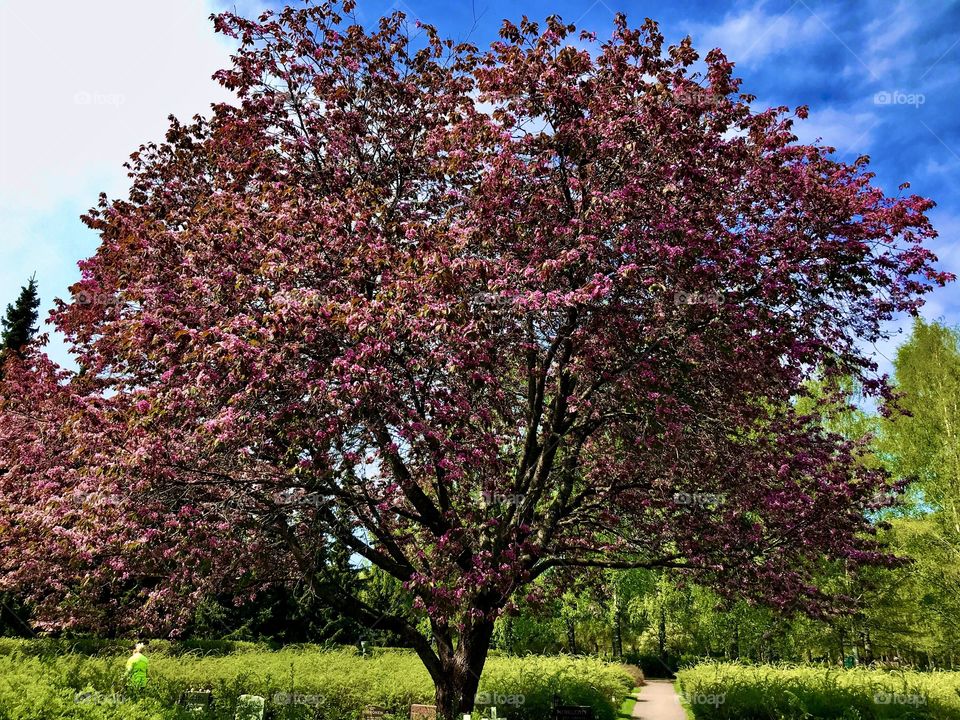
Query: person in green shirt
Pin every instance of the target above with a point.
(137, 668)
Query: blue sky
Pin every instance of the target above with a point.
(82, 84)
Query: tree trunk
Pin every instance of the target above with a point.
(859, 647)
(617, 634)
(572, 636)
(662, 633)
(457, 676)
(508, 634)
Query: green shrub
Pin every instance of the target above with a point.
(41, 679)
(635, 673)
(729, 691)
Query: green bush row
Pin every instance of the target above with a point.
(730, 691)
(98, 646)
(300, 682)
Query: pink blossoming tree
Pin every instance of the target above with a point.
(474, 315)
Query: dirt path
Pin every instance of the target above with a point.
(658, 701)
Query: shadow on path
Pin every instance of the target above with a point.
(658, 701)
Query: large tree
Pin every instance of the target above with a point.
(474, 315)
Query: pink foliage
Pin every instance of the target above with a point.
(473, 314)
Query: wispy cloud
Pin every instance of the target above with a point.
(848, 132)
(888, 43)
(758, 32)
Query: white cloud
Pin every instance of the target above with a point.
(947, 245)
(82, 85)
(849, 132)
(887, 48)
(753, 34)
(947, 166)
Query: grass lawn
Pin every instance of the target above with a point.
(626, 708)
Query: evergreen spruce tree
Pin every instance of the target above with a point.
(19, 323)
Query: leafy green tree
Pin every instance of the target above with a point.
(921, 443)
(538, 627)
(625, 588)
(922, 440)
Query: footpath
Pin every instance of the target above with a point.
(658, 701)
